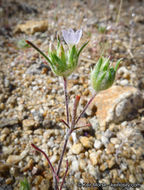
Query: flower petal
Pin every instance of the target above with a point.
(71, 37)
(78, 35)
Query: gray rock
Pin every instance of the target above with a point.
(9, 122)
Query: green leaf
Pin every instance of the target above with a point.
(82, 48)
(73, 54)
(98, 66)
(105, 65)
(117, 64)
(36, 48)
(24, 185)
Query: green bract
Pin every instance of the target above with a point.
(62, 62)
(103, 76)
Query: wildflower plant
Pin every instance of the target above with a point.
(63, 63)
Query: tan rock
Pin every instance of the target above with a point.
(86, 142)
(111, 162)
(83, 164)
(95, 157)
(14, 159)
(103, 166)
(31, 26)
(28, 124)
(77, 148)
(116, 103)
(110, 148)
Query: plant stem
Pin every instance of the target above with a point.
(77, 99)
(63, 151)
(64, 175)
(66, 99)
(52, 168)
(85, 108)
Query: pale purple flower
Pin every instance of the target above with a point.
(71, 37)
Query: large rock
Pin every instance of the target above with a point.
(116, 103)
(31, 26)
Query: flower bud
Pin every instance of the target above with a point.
(103, 76)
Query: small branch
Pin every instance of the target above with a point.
(87, 125)
(39, 150)
(63, 121)
(85, 108)
(64, 175)
(66, 99)
(119, 11)
(63, 151)
(77, 99)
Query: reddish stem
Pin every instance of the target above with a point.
(77, 99)
(66, 99)
(85, 108)
(64, 122)
(64, 175)
(38, 149)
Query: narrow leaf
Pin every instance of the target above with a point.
(117, 64)
(36, 48)
(82, 48)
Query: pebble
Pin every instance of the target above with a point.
(104, 140)
(111, 162)
(110, 149)
(28, 124)
(103, 166)
(95, 157)
(77, 148)
(54, 158)
(86, 142)
(83, 164)
(75, 165)
(132, 179)
(97, 144)
(5, 131)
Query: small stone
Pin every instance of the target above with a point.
(29, 166)
(75, 165)
(114, 140)
(3, 137)
(86, 142)
(104, 140)
(9, 122)
(31, 26)
(110, 149)
(9, 180)
(77, 148)
(94, 157)
(54, 158)
(14, 159)
(124, 82)
(103, 166)
(132, 179)
(114, 174)
(28, 124)
(2, 106)
(111, 163)
(5, 131)
(97, 144)
(83, 164)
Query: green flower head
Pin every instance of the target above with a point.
(103, 76)
(64, 62)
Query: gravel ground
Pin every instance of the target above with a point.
(32, 99)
